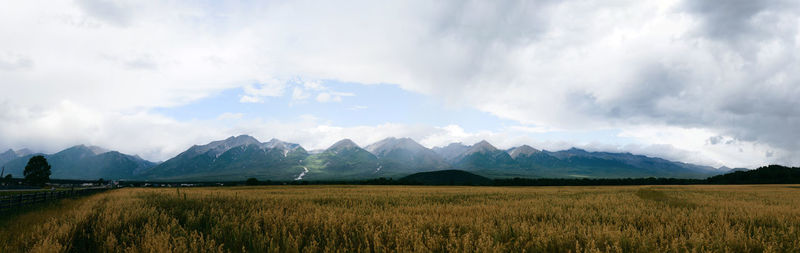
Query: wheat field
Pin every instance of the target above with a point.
(412, 218)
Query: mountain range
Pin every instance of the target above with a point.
(81, 162)
(241, 157)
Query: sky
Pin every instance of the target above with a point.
(700, 81)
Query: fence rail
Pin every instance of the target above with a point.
(22, 200)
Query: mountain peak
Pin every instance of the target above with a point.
(392, 143)
(242, 139)
(218, 147)
(456, 144)
(275, 143)
(97, 150)
(483, 146)
(79, 152)
(406, 140)
(380, 146)
(91, 149)
(480, 147)
(79, 146)
(523, 150)
(343, 144)
(8, 156)
(9, 152)
(282, 145)
(451, 151)
(576, 150)
(24, 152)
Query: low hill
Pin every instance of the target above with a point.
(772, 174)
(446, 177)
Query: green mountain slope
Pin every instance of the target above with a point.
(82, 162)
(403, 156)
(487, 159)
(235, 158)
(344, 160)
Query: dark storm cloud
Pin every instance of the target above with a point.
(109, 11)
(643, 96)
(714, 140)
(731, 19)
(507, 22)
(750, 91)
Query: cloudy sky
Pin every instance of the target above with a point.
(701, 81)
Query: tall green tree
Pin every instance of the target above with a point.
(7, 179)
(37, 172)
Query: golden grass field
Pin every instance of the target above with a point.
(412, 218)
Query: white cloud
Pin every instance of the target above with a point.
(9, 61)
(534, 129)
(706, 147)
(255, 93)
(314, 85)
(303, 89)
(299, 94)
(684, 68)
(325, 97)
(251, 99)
(230, 116)
(67, 124)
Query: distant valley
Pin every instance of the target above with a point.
(240, 157)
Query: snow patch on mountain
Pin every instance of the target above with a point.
(302, 174)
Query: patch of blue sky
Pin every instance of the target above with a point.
(369, 105)
(385, 103)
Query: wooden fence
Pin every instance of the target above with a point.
(20, 200)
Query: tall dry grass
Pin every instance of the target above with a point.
(402, 218)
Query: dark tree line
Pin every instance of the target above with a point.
(594, 181)
(772, 174)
